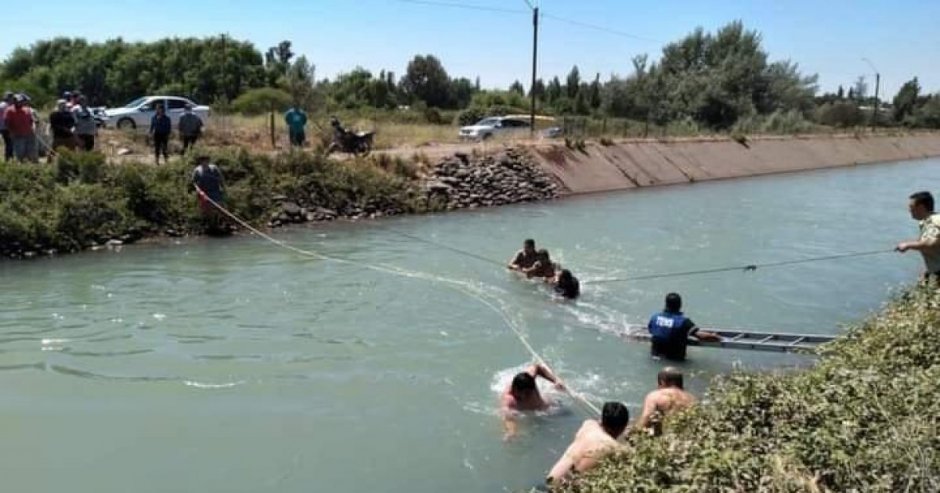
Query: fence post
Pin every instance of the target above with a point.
(273, 138)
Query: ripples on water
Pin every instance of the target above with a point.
(305, 361)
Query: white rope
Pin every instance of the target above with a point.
(457, 285)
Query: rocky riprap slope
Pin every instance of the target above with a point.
(506, 178)
(458, 182)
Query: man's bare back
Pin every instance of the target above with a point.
(593, 442)
(669, 398)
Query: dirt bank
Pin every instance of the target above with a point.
(632, 164)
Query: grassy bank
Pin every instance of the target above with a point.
(82, 200)
(865, 418)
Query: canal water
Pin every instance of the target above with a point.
(234, 365)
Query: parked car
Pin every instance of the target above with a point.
(494, 125)
(139, 112)
(101, 116)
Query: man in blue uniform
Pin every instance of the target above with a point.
(671, 331)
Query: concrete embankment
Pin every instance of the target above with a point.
(633, 164)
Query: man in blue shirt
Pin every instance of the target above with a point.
(160, 129)
(671, 331)
(296, 121)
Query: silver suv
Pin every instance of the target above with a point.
(495, 125)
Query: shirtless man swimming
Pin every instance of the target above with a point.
(525, 257)
(667, 399)
(523, 395)
(593, 442)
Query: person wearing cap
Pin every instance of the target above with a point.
(190, 128)
(62, 123)
(69, 101)
(20, 123)
(7, 141)
(160, 128)
(86, 128)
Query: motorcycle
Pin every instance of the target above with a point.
(355, 143)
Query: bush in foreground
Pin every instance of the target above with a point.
(82, 200)
(865, 418)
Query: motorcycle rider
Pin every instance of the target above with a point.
(339, 133)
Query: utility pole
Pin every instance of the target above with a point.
(535, 58)
(874, 113)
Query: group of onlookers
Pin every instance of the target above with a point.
(72, 125)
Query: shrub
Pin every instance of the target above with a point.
(863, 419)
(259, 101)
(845, 114)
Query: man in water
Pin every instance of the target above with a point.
(566, 285)
(523, 395)
(922, 211)
(525, 258)
(543, 266)
(593, 442)
(668, 398)
(671, 331)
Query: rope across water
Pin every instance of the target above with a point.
(456, 285)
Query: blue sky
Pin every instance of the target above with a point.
(828, 37)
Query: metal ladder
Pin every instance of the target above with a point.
(752, 341)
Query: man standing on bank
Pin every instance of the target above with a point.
(160, 128)
(296, 121)
(671, 329)
(190, 127)
(922, 211)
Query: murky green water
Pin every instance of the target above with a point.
(232, 365)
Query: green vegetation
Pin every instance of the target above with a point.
(865, 418)
(705, 82)
(82, 200)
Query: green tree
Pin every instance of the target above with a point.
(517, 88)
(905, 102)
(277, 60)
(554, 90)
(573, 84)
(426, 80)
(263, 100)
(462, 91)
(928, 115)
(595, 93)
(299, 82)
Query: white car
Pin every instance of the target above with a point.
(494, 125)
(139, 112)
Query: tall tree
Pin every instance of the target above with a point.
(554, 90)
(538, 89)
(906, 100)
(517, 88)
(277, 60)
(573, 84)
(595, 93)
(426, 80)
(299, 82)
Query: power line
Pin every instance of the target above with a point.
(465, 6)
(599, 28)
(527, 2)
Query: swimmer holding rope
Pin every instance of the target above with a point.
(523, 395)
